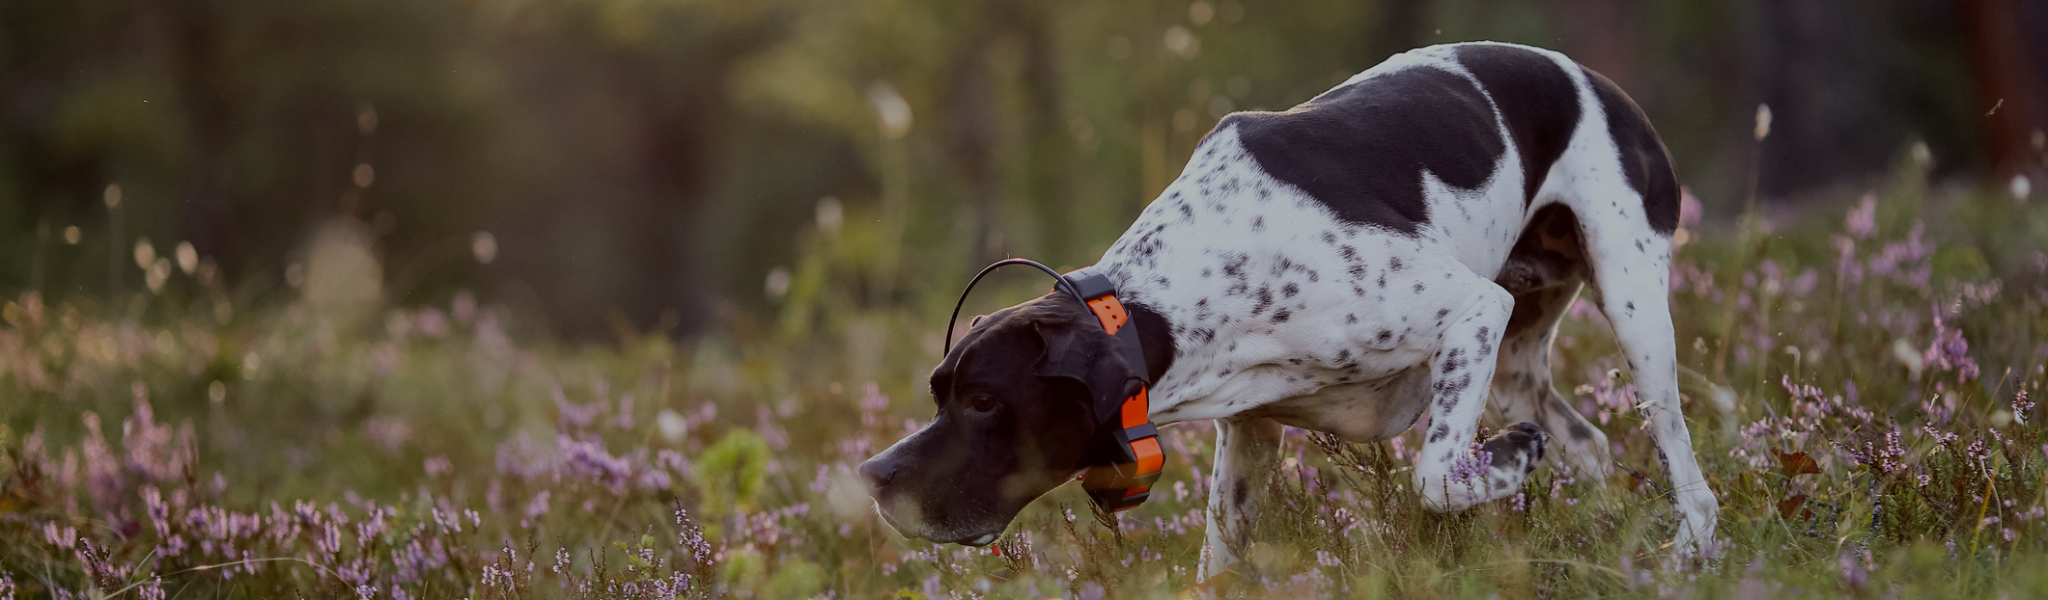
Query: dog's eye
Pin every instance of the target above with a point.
(981, 403)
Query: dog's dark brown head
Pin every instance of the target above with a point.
(1017, 416)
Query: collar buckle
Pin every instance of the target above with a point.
(1134, 459)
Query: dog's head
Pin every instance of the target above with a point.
(1018, 402)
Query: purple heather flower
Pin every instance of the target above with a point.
(1906, 262)
(691, 537)
(1941, 437)
(653, 479)
(447, 521)
(576, 416)
(1689, 208)
(463, 306)
(157, 452)
(1977, 450)
(1469, 474)
(388, 433)
(672, 460)
(159, 513)
(1950, 351)
(1327, 559)
(770, 431)
(154, 588)
(538, 506)
(491, 338)
(623, 417)
(1894, 451)
(63, 539)
(94, 560)
(432, 322)
(872, 402)
(1848, 270)
(1853, 572)
(1092, 591)
(329, 540)
(1862, 220)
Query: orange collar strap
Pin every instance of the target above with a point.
(1134, 461)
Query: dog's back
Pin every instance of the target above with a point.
(1450, 112)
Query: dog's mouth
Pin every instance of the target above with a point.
(976, 540)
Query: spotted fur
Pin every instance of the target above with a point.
(1405, 244)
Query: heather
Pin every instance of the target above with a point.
(1860, 376)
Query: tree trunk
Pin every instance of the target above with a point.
(2008, 80)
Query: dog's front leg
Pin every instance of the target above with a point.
(1247, 450)
(1448, 473)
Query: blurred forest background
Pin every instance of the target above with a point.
(601, 166)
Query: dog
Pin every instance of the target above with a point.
(1402, 244)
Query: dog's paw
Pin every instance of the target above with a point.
(1518, 446)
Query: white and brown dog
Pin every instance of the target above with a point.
(1403, 243)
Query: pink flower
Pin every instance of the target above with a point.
(1949, 351)
(1862, 220)
(539, 505)
(63, 539)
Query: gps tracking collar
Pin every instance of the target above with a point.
(1123, 476)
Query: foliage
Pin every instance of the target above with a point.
(650, 162)
(731, 471)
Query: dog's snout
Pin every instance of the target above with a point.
(877, 474)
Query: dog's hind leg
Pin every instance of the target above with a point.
(1631, 265)
(1247, 451)
(1625, 195)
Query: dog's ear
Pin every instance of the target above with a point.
(1086, 354)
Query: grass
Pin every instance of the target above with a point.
(1858, 387)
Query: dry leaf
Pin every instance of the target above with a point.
(1796, 463)
(1791, 505)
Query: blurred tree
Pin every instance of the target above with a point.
(2007, 42)
(645, 164)
(632, 107)
(1851, 84)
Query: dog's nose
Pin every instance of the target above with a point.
(877, 474)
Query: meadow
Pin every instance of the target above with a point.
(1860, 378)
